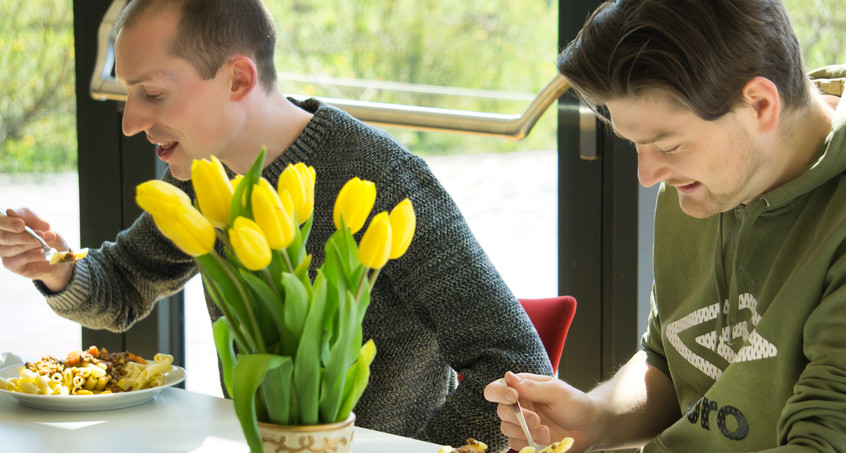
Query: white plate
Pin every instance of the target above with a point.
(89, 402)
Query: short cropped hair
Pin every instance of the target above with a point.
(210, 31)
(703, 52)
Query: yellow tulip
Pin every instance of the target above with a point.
(403, 223)
(176, 218)
(214, 190)
(157, 196)
(276, 224)
(308, 177)
(189, 229)
(354, 202)
(375, 247)
(237, 180)
(287, 203)
(249, 244)
(294, 182)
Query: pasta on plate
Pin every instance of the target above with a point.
(91, 372)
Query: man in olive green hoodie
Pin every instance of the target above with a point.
(746, 344)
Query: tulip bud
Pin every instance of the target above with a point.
(403, 223)
(292, 181)
(157, 196)
(175, 217)
(375, 247)
(249, 244)
(214, 190)
(190, 230)
(308, 177)
(354, 202)
(278, 227)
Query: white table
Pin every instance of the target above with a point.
(174, 421)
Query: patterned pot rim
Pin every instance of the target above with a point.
(311, 428)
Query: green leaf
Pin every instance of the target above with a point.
(305, 231)
(296, 303)
(219, 282)
(297, 249)
(338, 252)
(357, 378)
(302, 269)
(270, 304)
(276, 391)
(237, 207)
(223, 343)
(363, 300)
(251, 178)
(342, 353)
(247, 376)
(307, 371)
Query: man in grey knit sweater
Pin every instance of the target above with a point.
(440, 309)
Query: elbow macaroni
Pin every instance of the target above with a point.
(90, 376)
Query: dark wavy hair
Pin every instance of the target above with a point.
(702, 52)
(210, 31)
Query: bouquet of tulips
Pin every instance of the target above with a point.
(291, 348)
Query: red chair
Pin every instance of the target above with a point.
(552, 318)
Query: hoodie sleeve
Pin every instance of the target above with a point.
(815, 415)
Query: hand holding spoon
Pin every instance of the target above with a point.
(50, 253)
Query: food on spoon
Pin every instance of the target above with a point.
(90, 372)
(557, 447)
(68, 257)
(473, 446)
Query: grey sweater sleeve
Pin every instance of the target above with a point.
(119, 283)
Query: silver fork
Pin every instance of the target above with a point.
(49, 252)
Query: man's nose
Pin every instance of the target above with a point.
(135, 118)
(652, 167)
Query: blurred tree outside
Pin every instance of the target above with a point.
(37, 105)
(496, 53)
(819, 24)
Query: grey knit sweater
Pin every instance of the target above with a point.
(440, 308)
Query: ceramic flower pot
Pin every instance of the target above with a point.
(328, 438)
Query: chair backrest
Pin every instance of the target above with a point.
(552, 318)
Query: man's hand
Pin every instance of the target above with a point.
(626, 411)
(22, 253)
(552, 408)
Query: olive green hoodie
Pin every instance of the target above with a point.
(749, 312)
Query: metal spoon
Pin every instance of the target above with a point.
(49, 252)
(518, 412)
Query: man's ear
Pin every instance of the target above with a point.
(761, 95)
(243, 77)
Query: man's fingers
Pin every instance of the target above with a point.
(500, 393)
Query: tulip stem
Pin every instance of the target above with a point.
(371, 281)
(360, 285)
(269, 279)
(374, 276)
(256, 342)
(221, 235)
(220, 299)
(287, 259)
